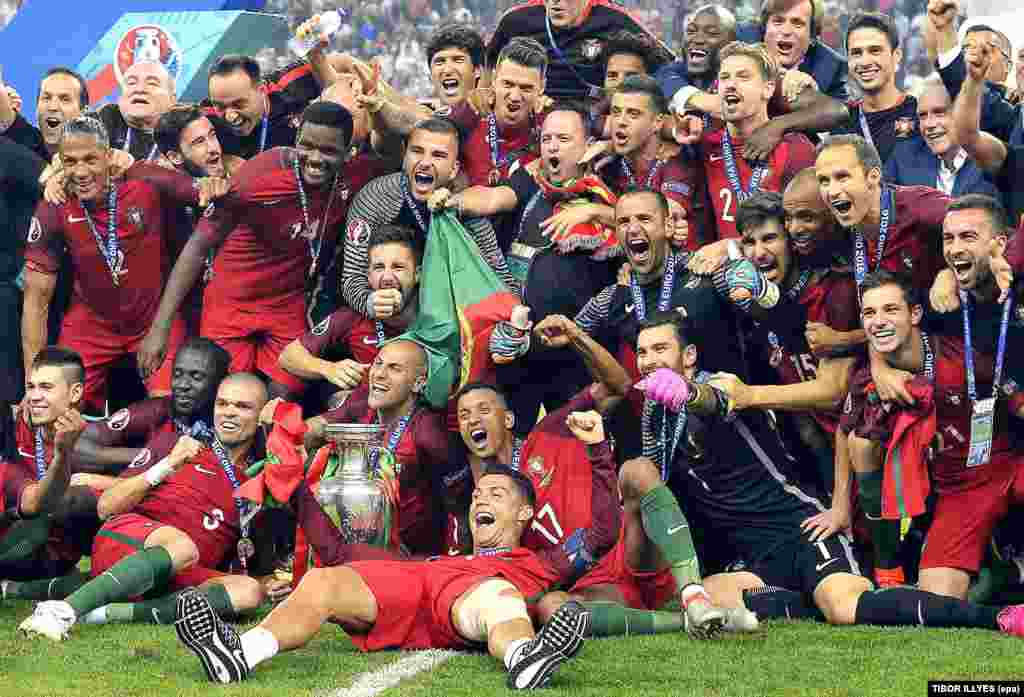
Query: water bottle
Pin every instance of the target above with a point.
(327, 23)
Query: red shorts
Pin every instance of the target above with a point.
(255, 340)
(414, 604)
(128, 533)
(100, 347)
(964, 518)
(643, 590)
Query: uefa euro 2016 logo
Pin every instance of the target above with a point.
(147, 42)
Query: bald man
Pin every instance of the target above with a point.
(935, 158)
(172, 519)
(812, 230)
(147, 92)
(415, 442)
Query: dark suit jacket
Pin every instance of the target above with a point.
(912, 163)
(827, 67)
(998, 116)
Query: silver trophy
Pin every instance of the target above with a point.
(353, 497)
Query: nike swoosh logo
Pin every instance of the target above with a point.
(629, 309)
(273, 203)
(72, 219)
(370, 340)
(715, 158)
(24, 454)
(205, 471)
(823, 564)
(673, 531)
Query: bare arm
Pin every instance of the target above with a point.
(93, 457)
(39, 288)
(45, 495)
(484, 201)
(128, 492)
(824, 393)
(298, 361)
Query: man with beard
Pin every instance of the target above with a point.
(658, 279)
(47, 526)
(341, 348)
(573, 33)
(565, 455)
(147, 91)
(63, 95)
(172, 518)
(935, 158)
(729, 473)
(885, 115)
(561, 254)
(107, 447)
(453, 602)
(638, 112)
(263, 114)
(974, 471)
(272, 231)
(119, 256)
(809, 385)
(415, 445)
(191, 142)
(746, 82)
(431, 162)
(810, 225)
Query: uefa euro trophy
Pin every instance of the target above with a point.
(350, 492)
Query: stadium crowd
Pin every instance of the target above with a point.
(641, 321)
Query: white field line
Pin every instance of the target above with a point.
(374, 682)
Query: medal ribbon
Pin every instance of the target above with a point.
(110, 247)
(413, 205)
(393, 438)
(318, 234)
(668, 281)
(732, 173)
(40, 455)
(860, 251)
(1004, 322)
(627, 171)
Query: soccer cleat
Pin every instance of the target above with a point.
(215, 642)
(97, 616)
(701, 619)
(557, 641)
(52, 619)
(889, 578)
(740, 620)
(1011, 620)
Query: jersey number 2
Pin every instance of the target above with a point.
(547, 512)
(726, 196)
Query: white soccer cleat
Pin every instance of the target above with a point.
(52, 619)
(97, 616)
(703, 620)
(740, 620)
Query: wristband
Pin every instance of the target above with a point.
(158, 472)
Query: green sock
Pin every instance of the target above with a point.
(885, 534)
(164, 610)
(667, 528)
(24, 537)
(613, 619)
(132, 576)
(48, 588)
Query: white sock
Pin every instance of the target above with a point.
(512, 650)
(693, 590)
(97, 616)
(258, 645)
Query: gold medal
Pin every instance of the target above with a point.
(494, 177)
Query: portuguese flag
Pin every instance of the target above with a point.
(461, 300)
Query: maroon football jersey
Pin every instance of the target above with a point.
(141, 263)
(790, 156)
(514, 144)
(136, 424)
(347, 333)
(266, 251)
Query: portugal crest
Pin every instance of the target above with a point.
(119, 420)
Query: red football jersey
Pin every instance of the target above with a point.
(142, 261)
(346, 333)
(197, 499)
(831, 301)
(676, 178)
(913, 244)
(514, 144)
(265, 249)
(137, 423)
(792, 155)
(570, 493)
(421, 451)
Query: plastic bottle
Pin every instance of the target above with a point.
(327, 24)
